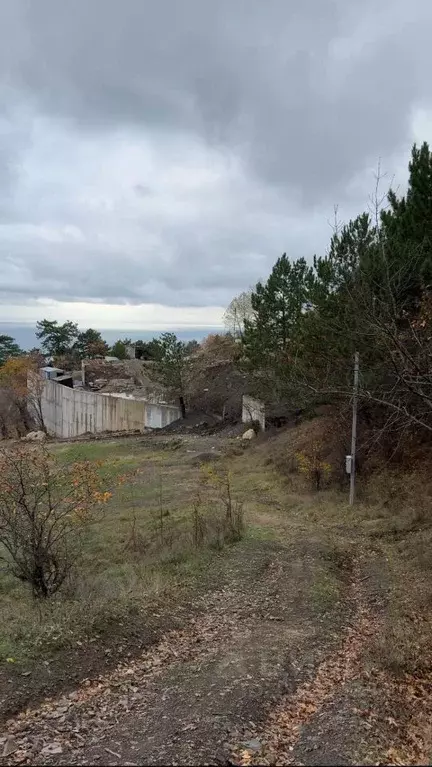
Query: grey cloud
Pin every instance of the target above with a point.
(258, 76)
(15, 137)
(302, 94)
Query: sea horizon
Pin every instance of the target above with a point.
(25, 334)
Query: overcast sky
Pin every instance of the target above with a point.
(156, 157)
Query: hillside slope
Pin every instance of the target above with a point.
(306, 642)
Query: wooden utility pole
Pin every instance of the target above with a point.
(354, 428)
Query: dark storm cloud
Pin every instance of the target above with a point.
(301, 95)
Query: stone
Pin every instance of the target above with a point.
(249, 434)
(51, 749)
(253, 745)
(35, 436)
(9, 746)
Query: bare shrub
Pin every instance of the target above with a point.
(160, 516)
(11, 422)
(216, 517)
(22, 388)
(44, 506)
(136, 543)
(314, 452)
(232, 517)
(198, 524)
(215, 534)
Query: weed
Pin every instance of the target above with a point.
(324, 591)
(339, 555)
(136, 543)
(231, 527)
(198, 525)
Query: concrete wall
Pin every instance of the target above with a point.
(71, 412)
(253, 410)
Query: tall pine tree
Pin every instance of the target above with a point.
(407, 230)
(277, 306)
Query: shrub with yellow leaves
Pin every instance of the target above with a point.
(313, 467)
(44, 507)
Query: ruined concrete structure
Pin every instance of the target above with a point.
(71, 412)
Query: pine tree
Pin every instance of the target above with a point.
(407, 230)
(90, 344)
(56, 339)
(277, 306)
(8, 348)
(172, 365)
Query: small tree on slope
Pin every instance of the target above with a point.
(44, 506)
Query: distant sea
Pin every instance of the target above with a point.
(25, 336)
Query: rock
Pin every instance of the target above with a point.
(73, 695)
(249, 434)
(35, 436)
(197, 460)
(253, 745)
(51, 749)
(59, 712)
(9, 746)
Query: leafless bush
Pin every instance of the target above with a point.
(198, 524)
(14, 420)
(313, 468)
(216, 517)
(44, 506)
(232, 517)
(136, 542)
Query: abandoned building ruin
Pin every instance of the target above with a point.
(74, 404)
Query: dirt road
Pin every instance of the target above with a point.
(267, 663)
(233, 685)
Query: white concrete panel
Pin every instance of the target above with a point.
(71, 412)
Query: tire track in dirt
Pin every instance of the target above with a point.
(282, 730)
(43, 734)
(77, 727)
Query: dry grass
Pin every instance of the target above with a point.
(403, 642)
(321, 439)
(145, 546)
(142, 548)
(390, 526)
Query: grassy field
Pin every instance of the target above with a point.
(140, 572)
(139, 548)
(142, 547)
(305, 558)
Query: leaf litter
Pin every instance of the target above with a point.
(61, 729)
(412, 740)
(65, 723)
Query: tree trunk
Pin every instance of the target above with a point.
(182, 406)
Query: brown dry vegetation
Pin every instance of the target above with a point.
(392, 518)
